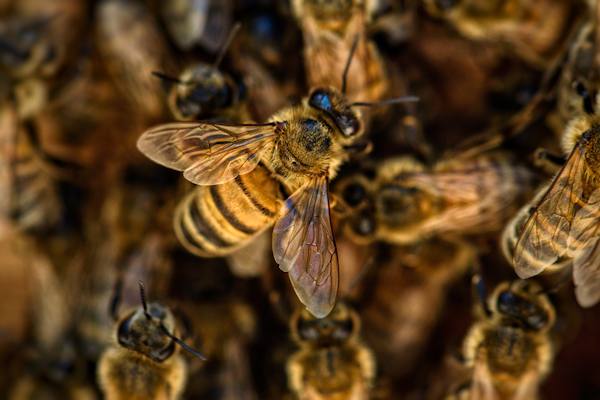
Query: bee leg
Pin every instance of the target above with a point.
(547, 161)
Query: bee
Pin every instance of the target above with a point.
(407, 202)
(192, 22)
(235, 165)
(332, 362)
(144, 362)
(561, 228)
(330, 29)
(29, 196)
(520, 25)
(411, 292)
(203, 91)
(124, 28)
(509, 347)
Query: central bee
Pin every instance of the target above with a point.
(255, 166)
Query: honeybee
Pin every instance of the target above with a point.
(407, 202)
(204, 22)
(203, 91)
(302, 147)
(534, 30)
(29, 196)
(510, 347)
(562, 227)
(330, 29)
(332, 362)
(144, 362)
(124, 28)
(409, 297)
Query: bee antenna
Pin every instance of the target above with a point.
(396, 100)
(180, 342)
(143, 298)
(226, 45)
(348, 62)
(169, 78)
(588, 102)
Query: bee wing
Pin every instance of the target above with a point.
(528, 387)
(482, 387)
(207, 153)
(545, 235)
(304, 246)
(584, 243)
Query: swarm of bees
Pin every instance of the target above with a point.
(300, 200)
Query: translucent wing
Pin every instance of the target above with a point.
(304, 246)
(482, 387)
(545, 235)
(208, 154)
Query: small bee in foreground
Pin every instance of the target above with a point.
(302, 147)
(144, 363)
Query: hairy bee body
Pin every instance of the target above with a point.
(126, 375)
(407, 202)
(215, 220)
(510, 348)
(332, 362)
(144, 361)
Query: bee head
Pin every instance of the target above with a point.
(401, 205)
(143, 331)
(200, 91)
(525, 303)
(335, 106)
(339, 326)
(150, 330)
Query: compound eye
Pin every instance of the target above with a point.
(354, 194)
(320, 100)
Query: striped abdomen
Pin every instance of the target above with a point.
(215, 220)
(28, 195)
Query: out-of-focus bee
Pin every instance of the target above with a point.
(332, 362)
(28, 195)
(406, 202)
(302, 147)
(532, 29)
(203, 91)
(411, 290)
(144, 362)
(330, 29)
(124, 30)
(510, 347)
(203, 22)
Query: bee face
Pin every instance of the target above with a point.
(400, 205)
(522, 303)
(146, 336)
(336, 107)
(203, 88)
(338, 327)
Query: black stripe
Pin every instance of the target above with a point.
(260, 207)
(203, 228)
(189, 238)
(226, 212)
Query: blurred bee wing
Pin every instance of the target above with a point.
(304, 246)
(528, 387)
(481, 386)
(207, 153)
(546, 233)
(586, 274)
